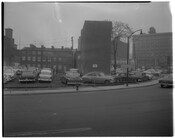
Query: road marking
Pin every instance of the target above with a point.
(47, 132)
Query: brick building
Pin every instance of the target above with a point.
(59, 58)
(153, 50)
(95, 47)
(10, 51)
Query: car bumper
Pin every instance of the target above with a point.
(166, 84)
(25, 80)
(44, 79)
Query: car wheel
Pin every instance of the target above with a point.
(162, 85)
(107, 82)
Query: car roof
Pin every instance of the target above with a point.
(94, 72)
(45, 70)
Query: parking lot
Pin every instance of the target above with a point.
(16, 84)
(56, 83)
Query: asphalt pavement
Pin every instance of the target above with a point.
(138, 111)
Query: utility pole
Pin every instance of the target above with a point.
(72, 40)
(127, 75)
(115, 52)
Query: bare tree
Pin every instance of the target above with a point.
(119, 30)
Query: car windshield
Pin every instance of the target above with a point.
(46, 72)
(72, 74)
(101, 74)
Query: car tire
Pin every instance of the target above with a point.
(107, 82)
(162, 86)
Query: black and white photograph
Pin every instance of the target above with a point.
(87, 69)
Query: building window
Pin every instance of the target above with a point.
(33, 58)
(24, 52)
(29, 58)
(33, 52)
(43, 59)
(59, 67)
(59, 58)
(39, 59)
(39, 52)
(23, 58)
(29, 52)
(44, 65)
(44, 53)
(39, 65)
(49, 59)
(55, 59)
(65, 68)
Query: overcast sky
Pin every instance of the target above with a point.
(55, 23)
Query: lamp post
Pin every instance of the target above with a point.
(128, 52)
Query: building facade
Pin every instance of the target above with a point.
(153, 50)
(95, 47)
(10, 51)
(60, 59)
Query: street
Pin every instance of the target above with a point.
(144, 111)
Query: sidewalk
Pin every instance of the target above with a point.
(81, 89)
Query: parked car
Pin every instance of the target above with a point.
(122, 77)
(149, 74)
(132, 77)
(154, 72)
(166, 81)
(9, 73)
(71, 77)
(140, 76)
(45, 75)
(6, 78)
(28, 76)
(98, 77)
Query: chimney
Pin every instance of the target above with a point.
(9, 32)
(42, 46)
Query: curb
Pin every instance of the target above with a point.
(75, 91)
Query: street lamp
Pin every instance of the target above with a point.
(128, 52)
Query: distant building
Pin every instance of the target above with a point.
(121, 54)
(153, 50)
(9, 48)
(59, 58)
(95, 47)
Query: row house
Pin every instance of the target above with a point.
(60, 59)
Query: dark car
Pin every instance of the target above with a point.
(98, 77)
(132, 77)
(166, 81)
(71, 77)
(28, 76)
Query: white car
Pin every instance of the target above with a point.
(45, 75)
(9, 73)
(149, 74)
